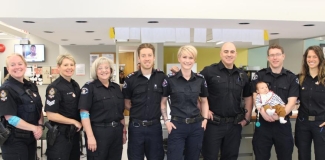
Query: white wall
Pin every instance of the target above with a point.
(81, 55)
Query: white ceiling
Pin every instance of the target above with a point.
(67, 28)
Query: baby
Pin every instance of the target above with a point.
(269, 101)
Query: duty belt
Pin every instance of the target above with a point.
(145, 122)
(106, 124)
(187, 120)
(312, 118)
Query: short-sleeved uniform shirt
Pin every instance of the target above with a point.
(62, 97)
(285, 84)
(105, 104)
(184, 93)
(226, 89)
(145, 94)
(10, 99)
(312, 97)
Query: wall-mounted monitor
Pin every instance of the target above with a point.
(31, 52)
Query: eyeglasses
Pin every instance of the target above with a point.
(275, 55)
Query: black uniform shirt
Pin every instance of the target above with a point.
(105, 104)
(145, 94)
(312, 97)
(226, 88)
(184, 93)
(10, 99)
(285, 84)
(62, 97)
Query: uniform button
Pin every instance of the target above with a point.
(112, 96)
(31, 101)
(274, 86)
(148, 97)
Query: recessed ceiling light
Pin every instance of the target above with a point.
(243, 23)
(48, 31)
(72, 44)
(64, 39)
(28, 21)
(97, 39)
(153, 22)
(90, 31)
(81, 21)
(309, 25)
(274, 33)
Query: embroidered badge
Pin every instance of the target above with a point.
(84, 90)
(51, 93)
(205, 84)
(165, 83)
(130, 75)
(3, 95)
(255, 77)
(297, 80)
(50, 103)
(200, 75)
(125, 85)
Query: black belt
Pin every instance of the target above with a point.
(218, 119)
(187, 120)
(145, 122)
(106, 124)
(311, 118)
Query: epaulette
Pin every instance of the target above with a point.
(171, 74)
(290, 72)
(214, 64)
(89, 82)
(199, 75)
(131, 74)
(158, 70)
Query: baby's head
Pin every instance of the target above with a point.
(262, 88)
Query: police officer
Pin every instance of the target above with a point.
(186, 128)
(142, 92)
(311, 116)
(285, 84)
(21, 106)
(61, 107)
(101, 107)
(226, 85)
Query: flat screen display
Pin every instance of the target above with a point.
(31, 52)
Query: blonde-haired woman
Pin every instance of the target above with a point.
(101, 107)
(187, 124)
(21, 107)
(61, 106)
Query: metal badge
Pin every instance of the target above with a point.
(73, 95)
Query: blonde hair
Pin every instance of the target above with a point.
(98, 62)
(189, 49)
(61, 57)
(11, 55)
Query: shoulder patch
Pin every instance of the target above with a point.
(200, 75)
(171, 74)
(84, 90)
(131, 74)
(255, 77)
(165, 83)
(51, 93)
(125, 85)
(3, 95)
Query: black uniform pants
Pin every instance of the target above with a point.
(270, 133)
(19, 148)
(306, 132)
(185, 136)
(109, 142)
(145, 140)
(63, 148)
(224, 137)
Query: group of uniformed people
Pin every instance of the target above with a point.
(207, 113)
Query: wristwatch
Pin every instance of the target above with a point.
(247, 122)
